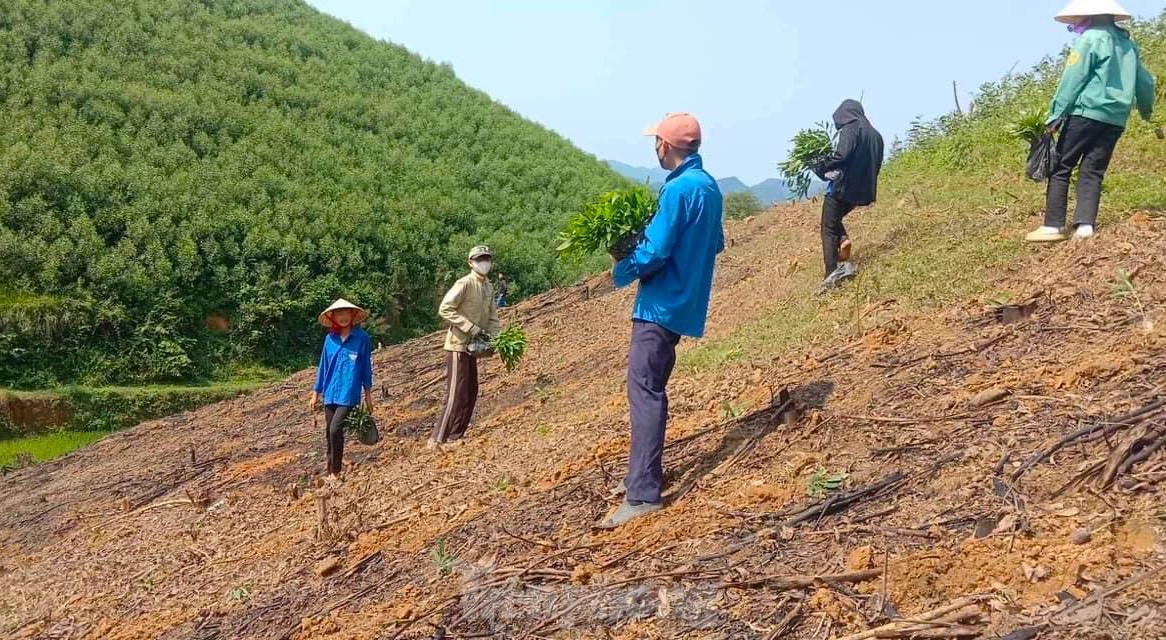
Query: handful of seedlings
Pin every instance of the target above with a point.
(510, 345)
(614, 223)
(1030, 125)
(362, 426)
(810, 146)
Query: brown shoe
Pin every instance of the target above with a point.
(844, 250)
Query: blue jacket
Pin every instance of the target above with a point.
(674, 262)
(345, 367)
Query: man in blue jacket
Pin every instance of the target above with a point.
(674, 264)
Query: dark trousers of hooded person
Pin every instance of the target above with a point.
(461, 374)
(651, 359)
(335, 419)
(834, 209)
(1090, 144)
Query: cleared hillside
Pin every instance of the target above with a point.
(992, 411)
(184, 184)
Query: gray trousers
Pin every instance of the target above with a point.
(650, 361)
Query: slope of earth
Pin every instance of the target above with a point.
(929, 438)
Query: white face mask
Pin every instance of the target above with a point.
(482, 267)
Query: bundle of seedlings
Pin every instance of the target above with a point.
(1030, 125)
(510, 346)
(810, 147)
(614, 223)
(362, 426)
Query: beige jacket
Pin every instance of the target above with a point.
(470, 309)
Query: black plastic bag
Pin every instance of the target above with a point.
(1043, 156)
(370, 435)
(626, 245)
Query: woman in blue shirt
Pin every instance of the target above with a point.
(345, 370)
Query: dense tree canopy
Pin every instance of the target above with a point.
(185, 183)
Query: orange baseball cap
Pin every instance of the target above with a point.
(680, 130)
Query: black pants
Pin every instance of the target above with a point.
(335, 417)
(650, 361)
(1088, 143)
(461, 374)
(833, 232)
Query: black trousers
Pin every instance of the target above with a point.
(335, 417)
(833, 231)
(461, 374)
(1090, 144)
(651, 359)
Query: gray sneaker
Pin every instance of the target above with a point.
(843, 272)
(628, 512)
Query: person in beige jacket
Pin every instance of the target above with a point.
(472, 314)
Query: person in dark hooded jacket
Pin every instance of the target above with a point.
(852, 175)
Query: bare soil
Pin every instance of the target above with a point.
(212, 524)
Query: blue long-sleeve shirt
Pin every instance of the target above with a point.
(674, 262)
(345, 368)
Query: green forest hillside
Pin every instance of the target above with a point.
(185, 183)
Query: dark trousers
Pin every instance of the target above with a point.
(650, 361)
(461, 375)
(1088, 143)
(335, 417)
(833, 232)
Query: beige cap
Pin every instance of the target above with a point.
(1080, 9)
(479, 251)
(358, 315)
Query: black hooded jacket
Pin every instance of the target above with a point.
(858, 156)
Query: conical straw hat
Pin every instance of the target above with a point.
(358, 315)
(1079, 9)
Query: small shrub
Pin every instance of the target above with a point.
(730, 410)
(443, 558)
(503, 484)
(823, 482)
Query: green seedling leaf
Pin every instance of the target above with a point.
(510, 346)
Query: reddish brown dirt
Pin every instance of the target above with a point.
(30, 413)
(202, 525)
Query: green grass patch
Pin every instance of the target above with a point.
(112, 408)
(953, 208)
(45, 446)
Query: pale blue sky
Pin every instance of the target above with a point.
(754, 72)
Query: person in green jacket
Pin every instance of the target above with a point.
(1103, 80)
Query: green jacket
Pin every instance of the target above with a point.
(1104, 79)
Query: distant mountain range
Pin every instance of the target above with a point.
(655, 177)
(770, 191)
